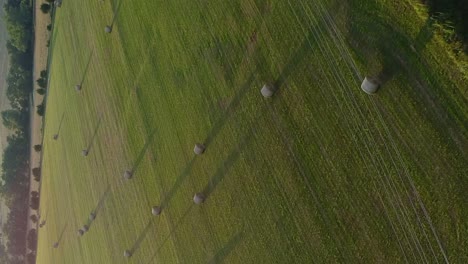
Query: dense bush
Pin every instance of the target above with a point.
(41, 91)
(45, 8)
(453, 16)
(40, 109)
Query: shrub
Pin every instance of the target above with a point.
(43, 74)
(45, 8)
(42, 82)
(34, 203)
(37, 148)
(33, 218)
(41, 91)
(40, 109)
(32, 239)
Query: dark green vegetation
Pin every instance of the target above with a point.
(453, 15)
(15, 168)
(321, 173)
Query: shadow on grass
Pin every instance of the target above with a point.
(60, 124)
(61, 234)
(176, 227)
(101, 201)
(227, 164)
(369, 37)
(116, 12)
(86, 69)
(221, 255)
(229, 110)
(143, 151)
(180, 179)
(299, 55)
(141, 237)
(93, 137)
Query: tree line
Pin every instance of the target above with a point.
(15, 164)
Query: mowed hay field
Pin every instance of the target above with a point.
(320, 173)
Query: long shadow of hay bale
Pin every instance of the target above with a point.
(229, 110)
(299, 55)
(221, 255)
(141, 155)
(101, 201)
(180, 179)
(93, 137)
(61, 235)
(141, 237)
(226, 165)
(176, 227)
(86, 69)
(116, 12)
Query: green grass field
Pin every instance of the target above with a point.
(320, 173)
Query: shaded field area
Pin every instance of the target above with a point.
(321, 172)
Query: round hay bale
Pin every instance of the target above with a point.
(92, 216)
(199, 198)
(156, 210)
(199, 149)
(80, 232)
(78, 87)
(85, 228)
(267, 90)
(56, 244)
(128, 174)
(56, 136)
(370, 85)
(108, 29)
(127, 253)
(84, 152)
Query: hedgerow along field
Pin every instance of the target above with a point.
(321, 172)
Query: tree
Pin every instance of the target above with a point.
(37, 147)
(12, 119)
(40, 109)
(45, 8)
(42, 82)
(32, 239)
(36, 172)
(34, 203)
(41, 91)
(34, 218)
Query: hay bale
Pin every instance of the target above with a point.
(370, 85)
(127, 253)
(156, 210)
(108, 29)
(56, 136)
(199, 149)
(92, 216)
(199, 198)
(128, 174)
(78, 87)
(84, 152)
(80, 232)
(267, 90)
(85, 228)
(56, 244)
